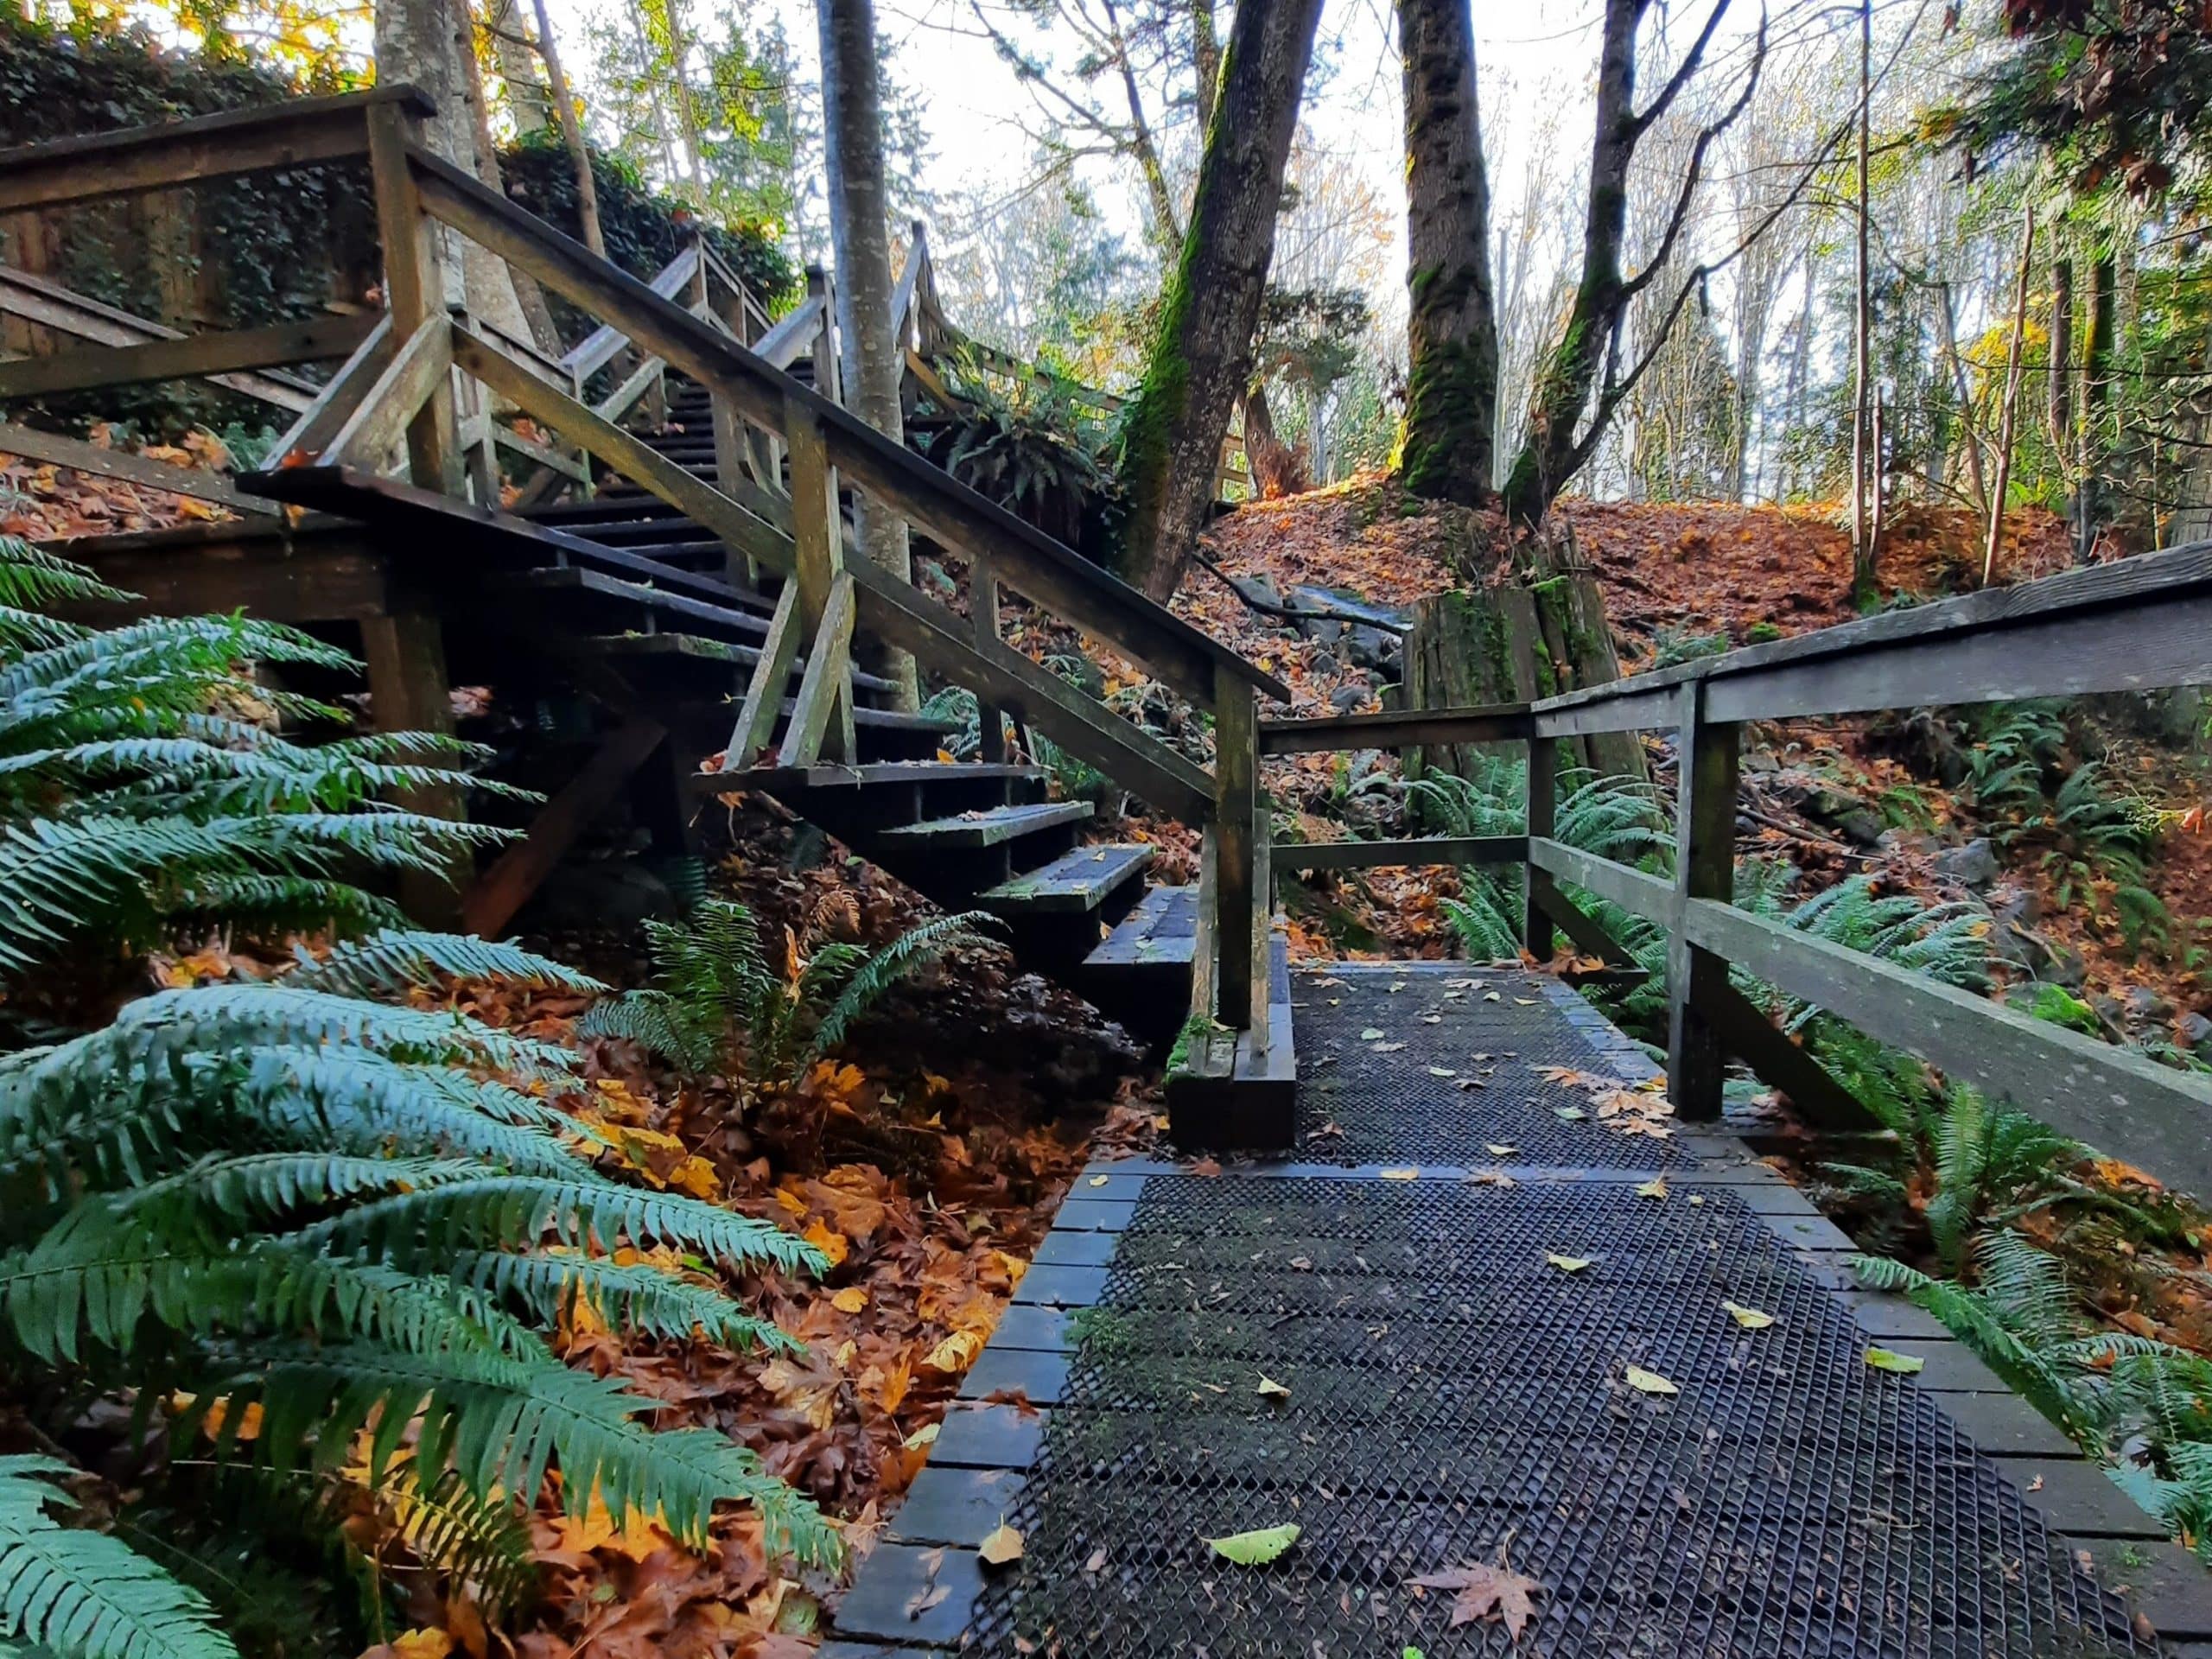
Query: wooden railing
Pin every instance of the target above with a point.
(2139, 624)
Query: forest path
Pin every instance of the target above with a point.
(1493, 1327)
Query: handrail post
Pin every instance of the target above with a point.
(818, 547)
(414, 285)
(1705, 867)
(1536, 938)
(1237, 822)
(983, 615)
(827, 379)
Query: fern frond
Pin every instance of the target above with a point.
(84, 1595)
(905, 955)
(397, 958)
(635, 1296)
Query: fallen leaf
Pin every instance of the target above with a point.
(1654, 1188)
(1257, 1547)
(1372, 1035)
(1487, 1591)
(1645, 1382)
(1498, 1149)
(1385, 1048)
(1441, 1072)
(926, 1435)
(1000, 1546)
(851, 1299)
(1888, 1359)
(1569, 1114)
(1403, 1172)
(956, 1353)
(1749, 1317)
(1098, 1180)
(1272, 1390)
(1570, 1263)
(422, 1644)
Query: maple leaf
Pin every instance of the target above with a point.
(1487, 1591)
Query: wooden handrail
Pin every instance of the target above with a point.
(1178, 654)
(793, 333)
(605, 343)
(295, 133)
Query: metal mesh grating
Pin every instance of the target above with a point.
(1366, 1100)
(1451, 1394)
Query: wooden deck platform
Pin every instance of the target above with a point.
(1455, 1392)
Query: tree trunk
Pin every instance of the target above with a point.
(1947, 320)
(1550, 453)
(1201, 357)
(2061, 357)
(2003, 481)
(1205, 58)
(871, 363)
(2100, 310)
(687, 111)
(1514, 642)
(528, 295)
(1273, 464)
(1451, 319)
(422, 42)
(511, 50)
(572, 133)
(1863, 590)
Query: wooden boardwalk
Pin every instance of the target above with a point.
(1457, 1397)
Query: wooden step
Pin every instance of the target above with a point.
(698, 649)
(874, 774)
(1074, 884)
(587, 591)
(992, 827)
(1160, 933)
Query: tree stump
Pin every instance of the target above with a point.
(1538, 631)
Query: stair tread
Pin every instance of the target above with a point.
(880, 773)
(1075, 883)
(697, 648)
(989, 826)
(1161, 931)
(574, 579)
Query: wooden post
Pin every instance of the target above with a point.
(409, 692)
(819, 552)
(1705, 867)
(1543, 798)
(984, 613)
(414, 285)
(828, 379)
(1237, 806)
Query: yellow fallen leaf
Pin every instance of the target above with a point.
(422, 1644)
(851, 1299)
(696, 1176)
(1645, 1382)
(1498, 1149)
(1654, 1188)
(1098, 1180)
(836, 1246)
(1407, 1173)
(1569, 1263)
(926, 1435)
(956, 1353)
(1272, 1390)
(1749, 1317)
(1888, 1359)
(1000, 1546)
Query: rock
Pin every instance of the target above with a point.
(2145, 1006)
(1864, 827)
(2110, 1009)
(1759, 760)
(1366, 647)
(2012, 906)
(2196, 1033)
(1323, 663)
(601, 892)
(2019, 946)
(1973, 864)
(1348, 699)
(1261, 587)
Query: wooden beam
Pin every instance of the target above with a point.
(1240, 809)
(1421, 850)
(494, 898)
(1580, 926)
(419, 371)
(39, 300)
(983, 617)
(606, 342)
(320, 421)
(1705, 867)
(2140, 624)
(297, 132)
(1779, 1060)
(825, 693)
(196, 482)
(764, 696)
(1543, 793)
(410, 691)
(414, 289)
(88, 368)
(626, 452)
(1132, 758)
(956, 516)
(1507, 723)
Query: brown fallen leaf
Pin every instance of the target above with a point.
(1487, 1591)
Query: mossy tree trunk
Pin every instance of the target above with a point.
(1200, 361)
(1515, 641)
(1452, 322)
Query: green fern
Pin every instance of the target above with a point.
(714, 990)
(86, 1595)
